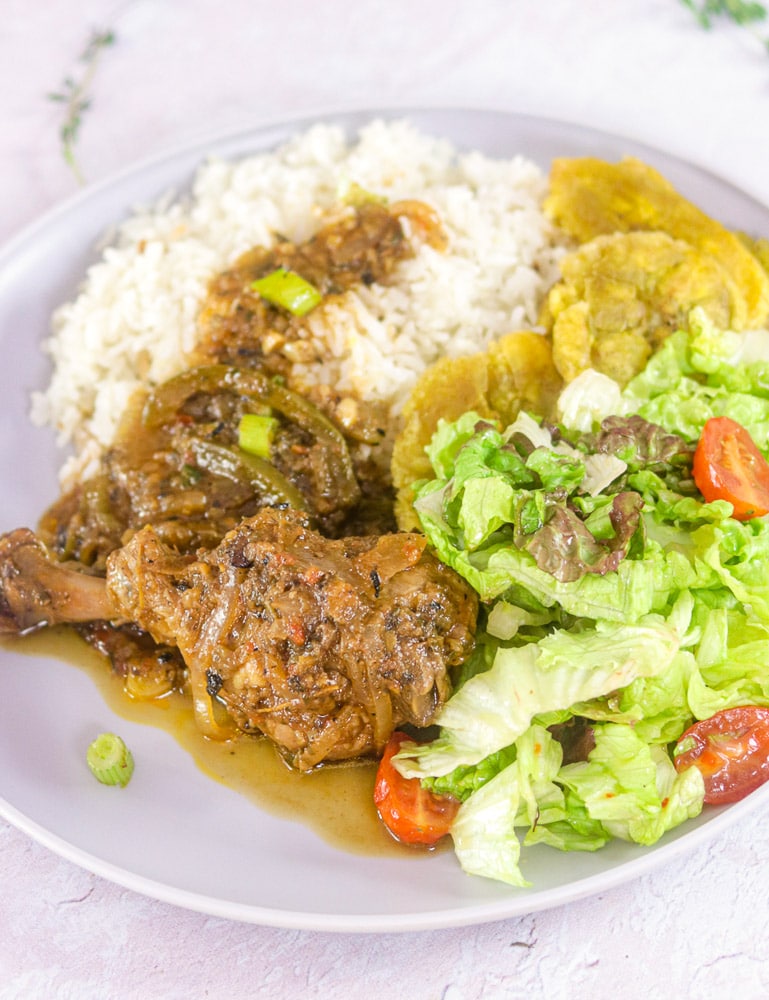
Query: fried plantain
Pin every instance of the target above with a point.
(621, 295)
(589, 197)
(516, 372)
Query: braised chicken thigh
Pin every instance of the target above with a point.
(323, 645)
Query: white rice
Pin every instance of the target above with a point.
(134, 319)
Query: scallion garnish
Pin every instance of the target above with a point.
(355, 195)
(256, 432)
(110, 760)
(288, 290)
(190, 474)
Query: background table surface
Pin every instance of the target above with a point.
(182, 68)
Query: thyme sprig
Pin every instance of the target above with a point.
(746, 13)
(73, 95)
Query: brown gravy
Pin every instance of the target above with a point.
(335, 801)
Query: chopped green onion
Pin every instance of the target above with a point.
(191, 474)
(256, 432)
(288, 290)
(355, 195)
(238, 466)
(110, 760)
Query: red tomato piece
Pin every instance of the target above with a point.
(731, 749)
(411, 813)
(729, 466)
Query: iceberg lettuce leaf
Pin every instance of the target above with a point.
(630, 620)
(521, 793)
(494, 708)
(632, 788)
(694, 377)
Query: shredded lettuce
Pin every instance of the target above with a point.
(625, 789)
(519, 794)
(632, 788)
(494, 708)
(588, 399)
(694, 377)
(614, 598)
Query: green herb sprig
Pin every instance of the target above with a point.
(73, 95)
(746, 13)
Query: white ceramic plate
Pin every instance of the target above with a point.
(174, 834)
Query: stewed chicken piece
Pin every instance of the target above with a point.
(323, 645)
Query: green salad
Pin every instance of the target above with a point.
(619, 606)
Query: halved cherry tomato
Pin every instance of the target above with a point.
(410, 812)
(729, 466)
(731, 749)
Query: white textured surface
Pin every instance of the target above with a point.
(697, 928)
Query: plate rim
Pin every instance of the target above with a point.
(349, 923)
(347, 116)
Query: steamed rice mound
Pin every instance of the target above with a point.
(133, 322)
